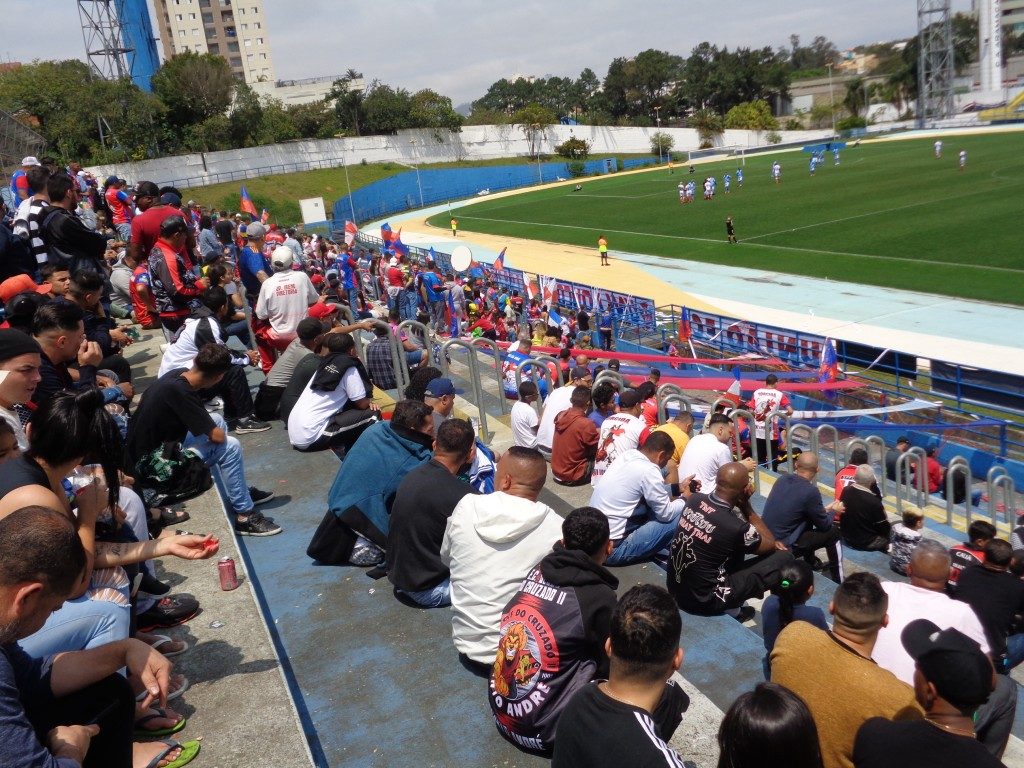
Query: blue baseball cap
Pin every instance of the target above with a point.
(442, 386)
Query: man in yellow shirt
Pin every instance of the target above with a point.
(678, 429)
(602, 248)
(455, 227)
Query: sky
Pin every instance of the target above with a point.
(460, 47)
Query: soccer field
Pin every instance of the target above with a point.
(890, 214)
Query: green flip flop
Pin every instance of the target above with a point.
(158, 713)
(188, 751)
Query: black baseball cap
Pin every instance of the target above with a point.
(146, 189)
(951, 661)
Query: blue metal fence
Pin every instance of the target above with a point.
(419, 188)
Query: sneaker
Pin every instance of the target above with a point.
(259, 497)
(256, 525)
(168, 612)
(249, 424)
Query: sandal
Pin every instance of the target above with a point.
(162, 640)
(158, 714)
(171, 694)
(165, 517)
(188, 751)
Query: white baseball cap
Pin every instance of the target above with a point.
(30, 160)
(282, 258)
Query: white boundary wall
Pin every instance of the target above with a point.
(479, 142)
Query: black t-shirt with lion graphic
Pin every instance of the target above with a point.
(552, 644)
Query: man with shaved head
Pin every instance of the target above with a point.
(796, 516)
(490, 544)
(925, 598)
(709, 573)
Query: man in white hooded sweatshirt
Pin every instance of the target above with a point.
(490, 544)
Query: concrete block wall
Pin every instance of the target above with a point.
(479, 142)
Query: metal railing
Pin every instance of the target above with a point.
(913, 458)
(495, 351)
(958, 466)
(474, 380)
(670, 393)
(397, 356)
(1001, 484)
(534, 370)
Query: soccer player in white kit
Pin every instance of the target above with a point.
(777, 172)
(682, 192)
(938, 149)
(963, 159)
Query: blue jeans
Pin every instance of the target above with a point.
(227, 458)
(124, 232)
(78, 625)
(1014, 651)
(240, 330)
(644, 541)
(353, 300)
(410, 304)
(436, 597)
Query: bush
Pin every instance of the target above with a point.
(706, 144)
(793, 125)
(851, 122)
(661, 143)
(573, 148)
(577, 168)
(773, 137)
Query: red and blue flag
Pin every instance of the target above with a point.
(499, 262)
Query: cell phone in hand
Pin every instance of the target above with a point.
(694, 485)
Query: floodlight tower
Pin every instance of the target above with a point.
(104, 46)
(936, 65)
(990, 45)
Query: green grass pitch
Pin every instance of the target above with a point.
(890, 214)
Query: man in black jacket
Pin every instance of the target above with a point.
(67, 239)
(425, 500)
(553, 633)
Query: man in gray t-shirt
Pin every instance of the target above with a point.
(281, 372)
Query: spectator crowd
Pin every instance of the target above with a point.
(262, 325)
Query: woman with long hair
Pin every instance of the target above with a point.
(788, 603)
(768, 727)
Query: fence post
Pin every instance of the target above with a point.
(397, 356)
(669, 393)
(544, 374)
(734, 416)
(790, 431)
(492, 346)
(474, 380)
(957, 465)
(835, 446)
(877, 440)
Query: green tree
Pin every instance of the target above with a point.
(661, 144)
(855, 99)
(534, 120)
(246, 118)
(429, 109)
(387, 109)
(276, 124)
(194, 86)
(751, 116)
(708, 124)
(574, 148)
(314, 120)
(822, 112)
(633, 87)
(819, 54)
(211, 135)
(348, 103)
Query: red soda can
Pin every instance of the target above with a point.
(226, 571)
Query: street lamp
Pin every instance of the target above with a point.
(418, 185)
(657, 120)
(831, 99)
(536, 131)
(348, 186)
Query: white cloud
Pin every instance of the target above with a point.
(459, 47)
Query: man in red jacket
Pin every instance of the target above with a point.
(574, 445)
(175, 288)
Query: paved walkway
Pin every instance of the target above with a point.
(961, 331)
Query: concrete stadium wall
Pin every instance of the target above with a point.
(479, 142)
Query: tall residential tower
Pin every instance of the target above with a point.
(234, 29)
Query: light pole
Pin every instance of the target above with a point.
(536, 131)
(418, 185)
(348, 186)
(831, 99)
(657, 120)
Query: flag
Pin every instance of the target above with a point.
(246, 205)
(828, 369)
(386, 234)
(400, 248)
(549, 288)
(350, 233)
(453, 317)
(554, 318)
(733, 392)
(499, 262)
(264, 217)
(685, 329)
